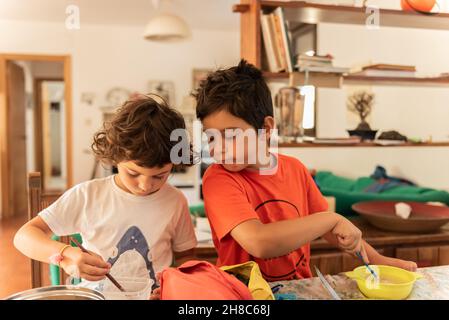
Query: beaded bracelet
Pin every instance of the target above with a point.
(58, 257)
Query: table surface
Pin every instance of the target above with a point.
(433, 286)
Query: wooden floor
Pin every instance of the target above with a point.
(15, 270)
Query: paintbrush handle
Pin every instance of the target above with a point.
(115, 282)
(359, 255)
(107, 275)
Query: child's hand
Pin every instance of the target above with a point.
(349, 238)
(156, 294)
(91, 266)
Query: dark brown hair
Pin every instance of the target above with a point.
(139, 131)
(240, 90)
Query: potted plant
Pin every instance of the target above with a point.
(361, 103)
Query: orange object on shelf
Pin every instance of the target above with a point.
(418, 5)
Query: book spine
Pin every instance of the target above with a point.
(279, 12)
(273, 41)
(269, 49)
(280, 42)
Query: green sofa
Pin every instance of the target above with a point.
(349, 191)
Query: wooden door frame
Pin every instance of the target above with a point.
(4, 125)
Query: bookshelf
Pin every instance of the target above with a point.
(315, 13)
(335, 80)
(297, 12)
(301, 12)
(317, 79)
(397, 81)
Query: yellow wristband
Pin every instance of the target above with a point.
(62, 251)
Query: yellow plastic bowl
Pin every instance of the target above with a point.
(392, 283)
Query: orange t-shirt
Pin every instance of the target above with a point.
(233, 197)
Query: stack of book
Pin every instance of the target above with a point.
(318, 63)
(276, 41)
(387, 70)
(305, 60)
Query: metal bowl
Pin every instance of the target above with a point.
(64, 292)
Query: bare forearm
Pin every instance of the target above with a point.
(36, 244)
(34, 240)
(280, 238)
(372, 254)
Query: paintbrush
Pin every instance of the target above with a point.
(107, 275)
(359, 255)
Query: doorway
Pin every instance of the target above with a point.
(35, 126)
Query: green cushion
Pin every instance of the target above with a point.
(348, 191)
(329, 180)
(197, 210)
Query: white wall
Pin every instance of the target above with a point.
(108, 56)
(104, 57)
(414, 111)
(426, 166)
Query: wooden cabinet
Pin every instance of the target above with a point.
(427, 250)
(426, 256)
(335, 262)
(431, 249)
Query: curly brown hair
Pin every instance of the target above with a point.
(140, 131)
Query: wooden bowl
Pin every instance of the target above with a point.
(423, 218)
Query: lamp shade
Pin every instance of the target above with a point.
(166, 27)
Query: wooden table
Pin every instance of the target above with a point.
(428, 249)
(433, 286)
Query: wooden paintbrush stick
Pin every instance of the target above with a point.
(107, 275)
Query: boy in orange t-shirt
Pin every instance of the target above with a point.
(264, 206)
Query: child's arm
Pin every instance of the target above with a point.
(379, 259)
(280, 238)
(374, 257)
(34, 241)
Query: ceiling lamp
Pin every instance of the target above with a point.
(166, 27)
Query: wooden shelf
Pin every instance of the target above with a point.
(397, 81)
(298, 12)
(276, 75)
(358, 145)
(333, 81)
(315, 13)
(317, 79)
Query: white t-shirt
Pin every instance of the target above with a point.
(136, 234)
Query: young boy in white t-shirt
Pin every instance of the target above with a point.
(131, 222)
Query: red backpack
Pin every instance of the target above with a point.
(201, 280)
